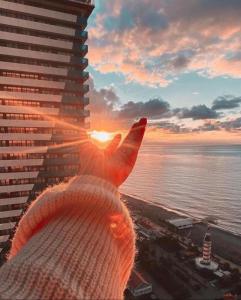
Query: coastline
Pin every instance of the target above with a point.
(226, 244)
(178, 213)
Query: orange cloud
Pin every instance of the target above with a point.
(213, 137)
(151, 41)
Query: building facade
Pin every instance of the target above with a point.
(42, 99)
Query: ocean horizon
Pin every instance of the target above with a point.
(202, 181)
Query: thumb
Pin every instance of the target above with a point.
(111, 148)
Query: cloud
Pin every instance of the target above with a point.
(160, 109)
(107, 112)
(153, 108)
(180, 62)
(103, 103)
(150, 42)
(199, 112)
(226, 102)
(209, 127)
(231, 125)
(103, 100)
(171, 127)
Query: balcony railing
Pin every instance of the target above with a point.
(86, 101)
(84, 48)
(74, 112)
(86, 88)
(89, 2)
(85, 75)
(84, 34)
(78, 74)
(84, 62)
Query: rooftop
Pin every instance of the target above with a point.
(137, 280)
(181, 222)
(221, 273)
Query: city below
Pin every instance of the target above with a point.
(180, 258)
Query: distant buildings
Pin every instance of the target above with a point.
(42, 89)
(221, 273)
(205, 262)
(138, 286)
(181, 223)
(147, 229)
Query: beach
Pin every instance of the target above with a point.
(225, 244)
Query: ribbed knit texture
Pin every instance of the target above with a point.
(76, 241)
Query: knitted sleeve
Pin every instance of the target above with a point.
(76, 241)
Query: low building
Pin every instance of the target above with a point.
(181, 223)
(144, 234)
(138, 286)
(148, 226)
(220, 273)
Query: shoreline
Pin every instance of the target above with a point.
(180, 213)
(226, 244)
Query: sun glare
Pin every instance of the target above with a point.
(101, 136)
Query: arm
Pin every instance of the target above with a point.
(77, 240)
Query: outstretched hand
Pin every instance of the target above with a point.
(114, 163)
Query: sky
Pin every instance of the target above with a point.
(177, 62)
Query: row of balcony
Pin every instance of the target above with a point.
(82, 75)
(75, 113)
(83, 35)
(84, 49)
(76, 100)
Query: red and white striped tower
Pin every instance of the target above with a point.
(205, 261)
(207, 248)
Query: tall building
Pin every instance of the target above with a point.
(42, 99)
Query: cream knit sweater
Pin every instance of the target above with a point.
(76, 241)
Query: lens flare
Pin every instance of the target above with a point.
(101, 136)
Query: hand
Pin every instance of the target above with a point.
(114, 163)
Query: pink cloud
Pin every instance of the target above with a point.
(151, 41)
(224, 67)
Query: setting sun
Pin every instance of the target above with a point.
(101, 136)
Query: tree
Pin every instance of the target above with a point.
(226, 266)
(235, 275)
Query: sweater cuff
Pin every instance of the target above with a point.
(78, 196)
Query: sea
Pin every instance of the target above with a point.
(202, 181)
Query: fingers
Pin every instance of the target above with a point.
(134, 138)
(111, 148)
(131, 145)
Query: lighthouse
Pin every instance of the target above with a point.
(207, 248)
(206, 262)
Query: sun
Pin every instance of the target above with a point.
(101, 136)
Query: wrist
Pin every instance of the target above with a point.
(81, 194)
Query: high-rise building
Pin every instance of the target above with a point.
(42, 99)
